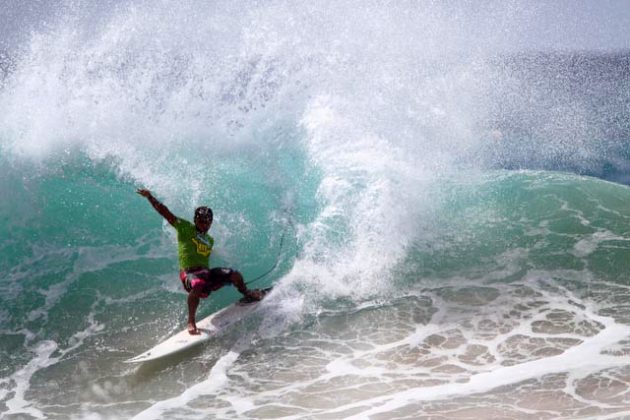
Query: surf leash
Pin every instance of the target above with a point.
(266, 273)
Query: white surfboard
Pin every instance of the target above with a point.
(208, 327)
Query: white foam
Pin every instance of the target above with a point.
(585, 358)
(18, 403)
(216, 379)
(590, 243)
(368, 218)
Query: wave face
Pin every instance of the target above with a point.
(446, 218)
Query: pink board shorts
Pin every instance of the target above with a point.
(205, 280)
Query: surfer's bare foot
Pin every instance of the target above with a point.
(255, 294)
(192, 329)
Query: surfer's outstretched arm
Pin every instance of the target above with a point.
(159, 207)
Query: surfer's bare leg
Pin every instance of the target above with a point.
(237, 280)
(193, 302)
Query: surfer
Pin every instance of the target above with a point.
(194, 249)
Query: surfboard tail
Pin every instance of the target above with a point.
(209, 327)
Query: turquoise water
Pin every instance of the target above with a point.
(448, 230)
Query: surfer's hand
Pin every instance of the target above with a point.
(144, 192)
(192, 329)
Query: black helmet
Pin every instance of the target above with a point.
(203, 212)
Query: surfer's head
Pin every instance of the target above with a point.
(203, 218)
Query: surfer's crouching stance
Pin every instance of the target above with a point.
(194, 248)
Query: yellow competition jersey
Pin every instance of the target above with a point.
(194, 248)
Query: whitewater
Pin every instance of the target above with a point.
(444, 215)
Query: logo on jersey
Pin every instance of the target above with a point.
(203, 246)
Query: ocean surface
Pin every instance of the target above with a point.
(447, 227)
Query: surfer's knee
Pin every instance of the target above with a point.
(195, 294)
